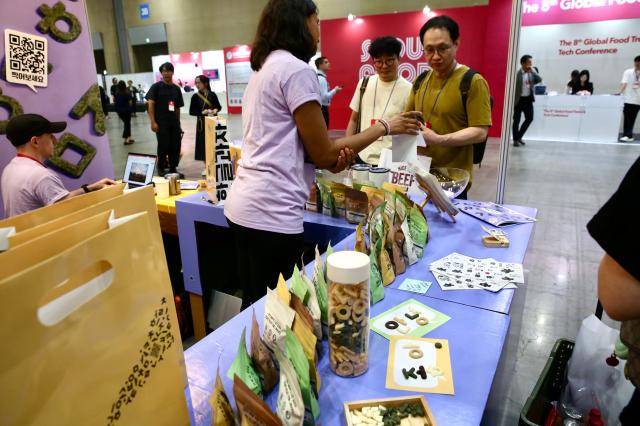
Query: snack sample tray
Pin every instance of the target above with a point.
(419, 319)
(389, 403)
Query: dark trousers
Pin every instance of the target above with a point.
(126, 119)
(630, 112)
(169, 145)
(325, 114)
(524, 105)
(630, 415)
(261, 256)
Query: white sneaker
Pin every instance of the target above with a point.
(626, 139)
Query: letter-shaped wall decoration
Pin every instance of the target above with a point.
(90, 101)
(12, 106)
(50, 15)
(83, 148)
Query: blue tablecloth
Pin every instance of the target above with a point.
(476, 337)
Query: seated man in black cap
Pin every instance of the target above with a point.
(26, 183)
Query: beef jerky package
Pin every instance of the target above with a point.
(298, 286)
(324, 187)
(361, 244)
(308, 342)
(418, 229)
(277, 317)
(253, 411)
(321, 290)
(390, 206)
(386, 267)
(357, 206)
(375, 279)
(338, 192)
(296, 355)
(314, 307)
(375, 195)
(243, 367)
(290, 406)
(397, 239)
(222, 413)
(282, 291)
(408, 248)
(262, 358)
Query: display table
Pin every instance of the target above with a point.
(167, 211)
(464, 237)
(476, 337)
(571, 118)
(318, 229)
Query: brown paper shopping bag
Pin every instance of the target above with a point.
(45, 214)
(105, 353)
(125, 204)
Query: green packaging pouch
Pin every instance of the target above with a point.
(298, 286)
(321, 287)
(418, 229)
(290, 406)
(243, 367)
(298, 359)
(375, 279)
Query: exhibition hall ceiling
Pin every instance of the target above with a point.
(332, 9)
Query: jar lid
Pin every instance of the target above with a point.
(360, 167)
(378, 170)
(348, 267)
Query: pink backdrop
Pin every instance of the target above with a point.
(74, 71)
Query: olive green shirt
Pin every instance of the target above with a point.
(440, 101)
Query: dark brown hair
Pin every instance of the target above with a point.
(283, 25)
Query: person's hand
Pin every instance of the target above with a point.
(346, 157)
(214, 111)
(338, 88)
(405, 123)
(101, 184)
(431, 137)
(154, 127)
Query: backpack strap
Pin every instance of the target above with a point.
(363, 88)
(465, 87)
(418, 81)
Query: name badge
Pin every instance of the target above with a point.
(635, 85)
(172, 106)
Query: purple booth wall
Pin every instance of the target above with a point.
(74, 71)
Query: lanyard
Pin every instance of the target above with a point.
(375, 93)
(426, 89)
(31, 158)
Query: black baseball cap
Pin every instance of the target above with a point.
(23, 127)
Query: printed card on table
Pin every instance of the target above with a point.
(26, 59)
(422, 365)
(410, 318)
(415, 286)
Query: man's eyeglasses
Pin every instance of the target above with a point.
(379, 63)
(430, 50)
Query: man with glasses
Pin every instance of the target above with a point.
(451, 126)
(379, 96)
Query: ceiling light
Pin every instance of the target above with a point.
(359, 20)
(147, 40)
(426, 10)
(351, 17)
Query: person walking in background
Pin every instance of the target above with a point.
(526, 78)
(134, 97)
(323, 65)
(204, 102)
(123, 109)
(104, 100)
(630, 88)
(113, 88)
(584, 86)
(165, 101)
(379, 96)
(573, 82)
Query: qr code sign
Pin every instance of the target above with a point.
(26, 61)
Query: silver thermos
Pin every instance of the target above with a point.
(174, 183)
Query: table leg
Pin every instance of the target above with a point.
(197, 314)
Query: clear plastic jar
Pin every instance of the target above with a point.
(348, 275)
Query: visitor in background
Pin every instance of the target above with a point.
(122, 101)
(323, 65)
(134, 97)
(204, 102)
(630, 88)
(584, 86)
(526, 78)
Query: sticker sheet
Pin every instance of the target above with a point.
(459, 272)
(422, 365)
(415, 286)
(410, 318)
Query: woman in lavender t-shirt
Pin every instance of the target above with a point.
(285, 139)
